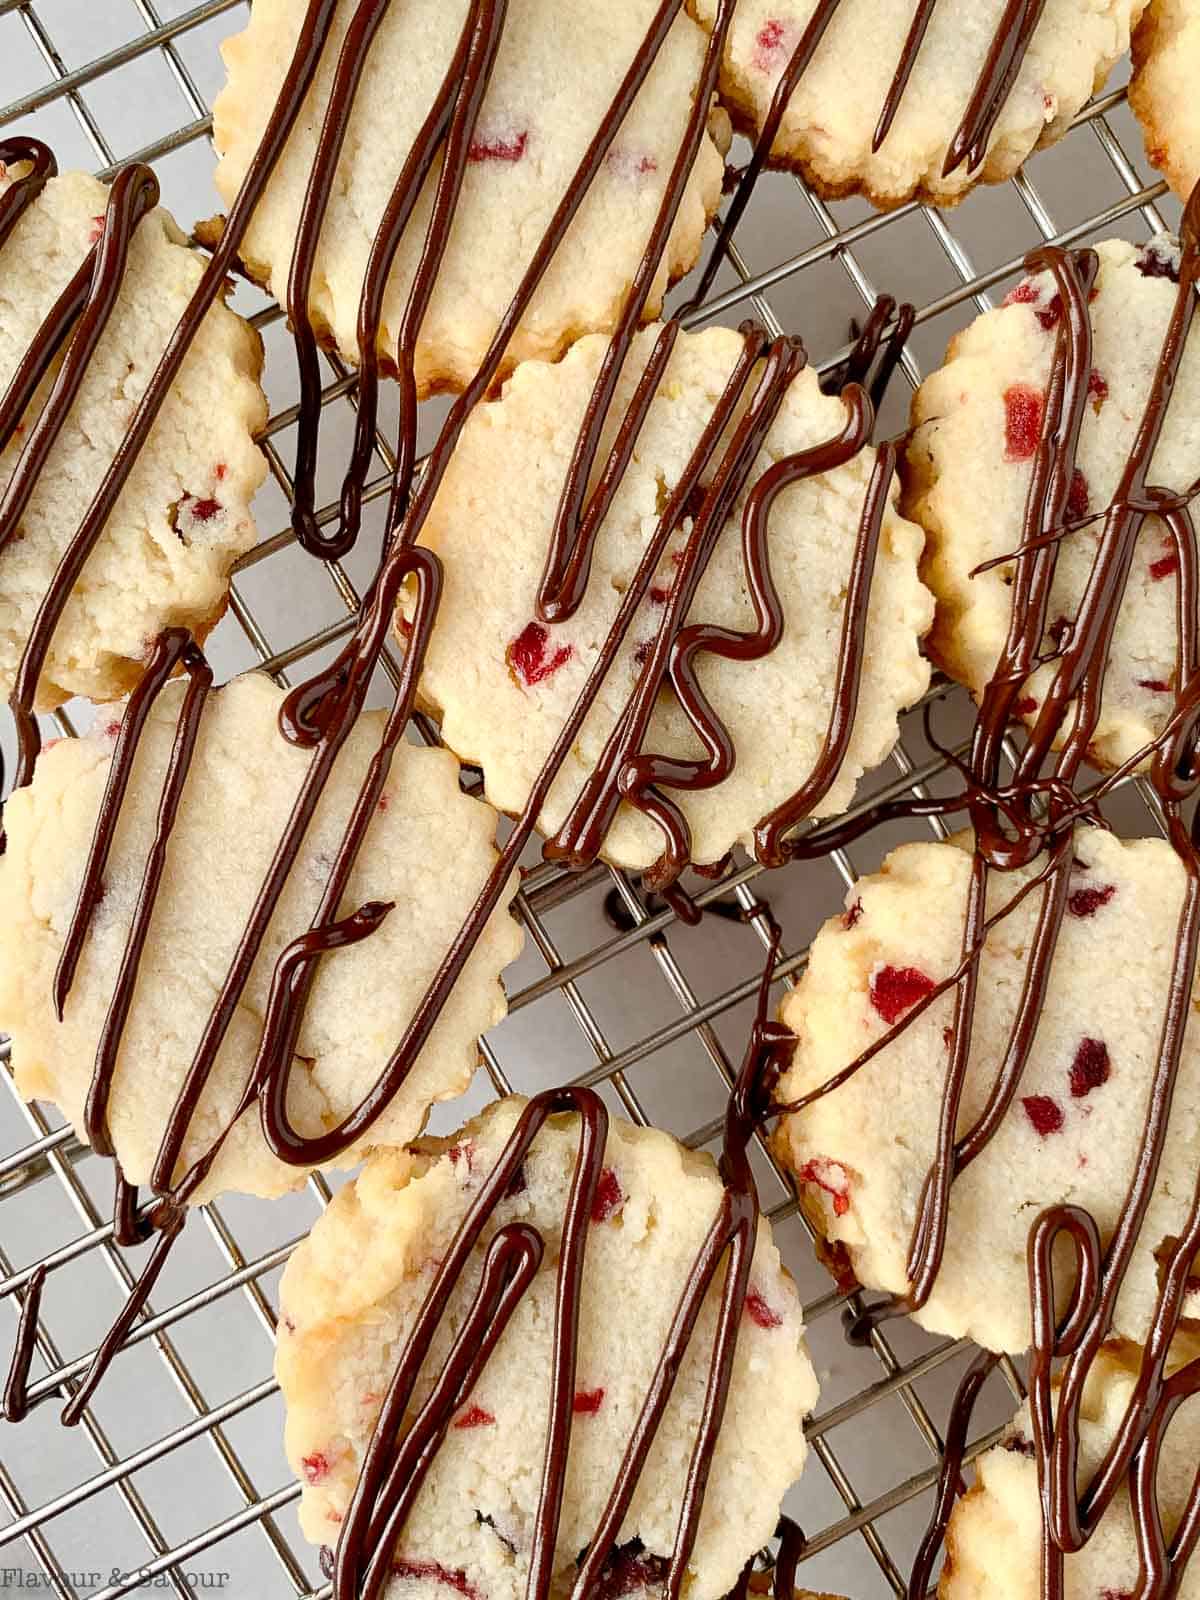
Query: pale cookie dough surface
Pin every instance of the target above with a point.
(428, 849)
(184, 515)
(557, 71)
(1162, 92)
(975, 428)
(504, 693)
(994, 1540)
(829, 125)
(350, 1296)
(1072, 1132)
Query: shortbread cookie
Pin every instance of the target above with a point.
(1166, 54)
(994, 1540)
(829, 127)
(184, 515)
(504, 683)
(977, 421)
(352, 1291)
(557, 71)
(429, 849)
(861, 1151)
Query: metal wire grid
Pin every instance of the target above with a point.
(46, 1151)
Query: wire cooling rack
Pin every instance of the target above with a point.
(175, 1479)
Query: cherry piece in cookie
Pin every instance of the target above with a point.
(434, 1571)
(202, 510)
(761, 1314)
(1024, 408)
(475, 1417)
(508, 147)
(1079, 498)
(315, 1467)
(1044, 1112)
(631, 164)
(769, 44)
(464, 1155)
(610, 1197)
(1090, 1068)
(895, 990)
(1026, 293)
(830, 1176)
(531, 658)
(1018, 1445)
(1087, 901)
(631, 1569)
(1158, 261)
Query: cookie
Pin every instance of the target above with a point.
(557, 71)
(1162, 91)
(504, 682)
(350, 1298)
(183, 517)
(970, 461)
(429, 847)
(873, 74)
(994, 1538)
(1076, 1120)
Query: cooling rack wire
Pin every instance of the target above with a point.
(175, 1481)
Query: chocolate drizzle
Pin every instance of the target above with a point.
(995, 82)
(398, 1458)
(15, 1406)
(950, 1473)
(320, 714)
(1011, 833)
(133, 194)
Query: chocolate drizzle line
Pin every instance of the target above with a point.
(134, 192)
(950, 1473)
(877, 351)
(17, 150)
(169, 1226)
(320, 714)
(1012, 833)
(16, 1404)
(995, 82)
(397, 1459)
(782, 1568)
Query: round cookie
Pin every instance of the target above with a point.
(556, 73)
(429, 849)
(1162, 91)
(342, 1332)
(504, 684)
(976, 423)
(829, 126)
(183, 518)
(994, 1539)
(1072, 1131)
